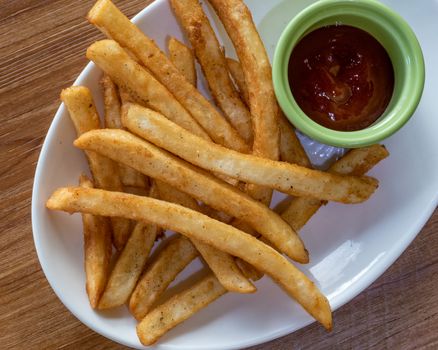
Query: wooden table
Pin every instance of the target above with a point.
(42, 45)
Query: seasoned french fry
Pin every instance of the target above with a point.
(107, 17)
(291, 150)
(209, 54)
(129, 266)
(97, 251)
(128, 74)
(222, 264)
(83, 113)
(239, 79)
(111, 103)
(356, 162)
(178, 309)
(264, 109)
(284, 177)
(126, 148)
(195, 225)
(183, 59)
(360, 160)
(175, 256)
(112, 106)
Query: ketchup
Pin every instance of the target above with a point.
(341, 77)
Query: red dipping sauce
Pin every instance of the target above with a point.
(341, 77)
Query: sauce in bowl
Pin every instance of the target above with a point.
(341, 77)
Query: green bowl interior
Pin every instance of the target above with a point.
(394, 35)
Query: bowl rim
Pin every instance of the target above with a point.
(394, 118)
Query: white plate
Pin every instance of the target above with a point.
(350, 246)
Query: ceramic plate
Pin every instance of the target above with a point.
(350, 245)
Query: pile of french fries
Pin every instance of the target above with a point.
(166, 158)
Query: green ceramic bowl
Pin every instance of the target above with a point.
(396, 37)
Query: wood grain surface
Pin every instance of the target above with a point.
(42, 46)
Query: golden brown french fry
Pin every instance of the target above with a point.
(112, 106)
(177, 253)
(282, 176)
(141, 155)
(222, 264)
(183, 59)
(209, 54)
(239, 79)
(114, 24)
(291, 150)
(195, 225)
(178, 309)
(128, 74)
(356, 162)
(97, 251)
(83, 113)
(360, 160)
(111, 103)
(264, 109)
(129, 266)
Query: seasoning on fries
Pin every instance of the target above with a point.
(284, 177)
(171, 260)
(113, 23)
(97, 250)
(178, 309)
(264, 109)
(222, 264)
(143, 156)
(112, 107)
(113, 60)
(212, 60)
(195, 225)
(83, 113)
(183, 59)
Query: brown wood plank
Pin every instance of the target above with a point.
(42, 45)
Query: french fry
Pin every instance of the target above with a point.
(356, 162)
(141, 155)
(183, 59)
(111, 103)
(291, 150)
(282, 176)
(112, 106)
(209, 54)
(195, 225)
(83, 113)
(129, 266)
(114, 24)
(178, 309)
(97, 251)
(239, 79)
(264, 109)
(222, 264)
(171, 260)
(128, 74)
